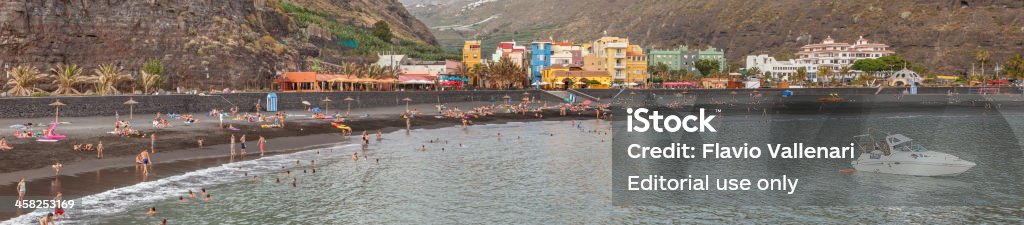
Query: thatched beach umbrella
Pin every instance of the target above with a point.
(407, 100)
(57, 104)
(131, 107)
(349, 101)
(327, 104)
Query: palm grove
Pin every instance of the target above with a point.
(71, 79)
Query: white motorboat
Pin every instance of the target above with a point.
(897, 154)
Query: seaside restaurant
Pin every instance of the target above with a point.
(315, 82)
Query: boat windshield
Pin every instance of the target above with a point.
(911, 147)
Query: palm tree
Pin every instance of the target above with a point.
(982, 56)
(801, 75)
(66, 78)
(149, 81)
(824, 72)
(107, 78)
(508, 74)
(753, 71)
(864, 79)
(23, 80)
(844, 71)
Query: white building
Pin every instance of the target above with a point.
(511, 50)
(779, 69)
(837, 55)
(827, 53)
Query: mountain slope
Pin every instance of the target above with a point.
(943, 35)
(202, 44)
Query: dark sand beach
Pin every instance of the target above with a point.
(177, 150)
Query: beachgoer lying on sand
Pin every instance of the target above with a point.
(4, 146)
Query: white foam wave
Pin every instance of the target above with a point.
(130, 197)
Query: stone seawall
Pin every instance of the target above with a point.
(29, 107)
(609, 93)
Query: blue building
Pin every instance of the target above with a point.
(540, 60)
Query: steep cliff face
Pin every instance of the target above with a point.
(943, 35)
(202, 43)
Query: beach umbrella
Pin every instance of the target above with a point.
(131, 107)
(306, 103)
(349, 101)
(407, 100)
(506, 97)
(327, 104)
(57, 104)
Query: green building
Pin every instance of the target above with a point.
(670, 58)
(713, 53)
(684, 58)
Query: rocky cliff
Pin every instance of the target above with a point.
(202, 43)
(943, 35)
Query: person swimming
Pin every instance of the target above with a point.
(191, 194)
(208, 198)
(151, 211)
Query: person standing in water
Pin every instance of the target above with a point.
(261, 142)
(379, 133)
(21, 189)
(152, 143)
(58, 211)
(99, 150)
(242, 141)
(408, 122)
(146, 162)
(366, 138)
(232, 145)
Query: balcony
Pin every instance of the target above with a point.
(620, 55)
(620, 66)
(616, 45)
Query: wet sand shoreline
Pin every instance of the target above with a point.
(93, 176)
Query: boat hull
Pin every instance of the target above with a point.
(913, 168)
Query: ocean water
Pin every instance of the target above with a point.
(551, 172)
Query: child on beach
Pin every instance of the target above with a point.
(262, 142)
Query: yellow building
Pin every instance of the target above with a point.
(471, 55)
(636, 65)
(559, 77)
(614, 55)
